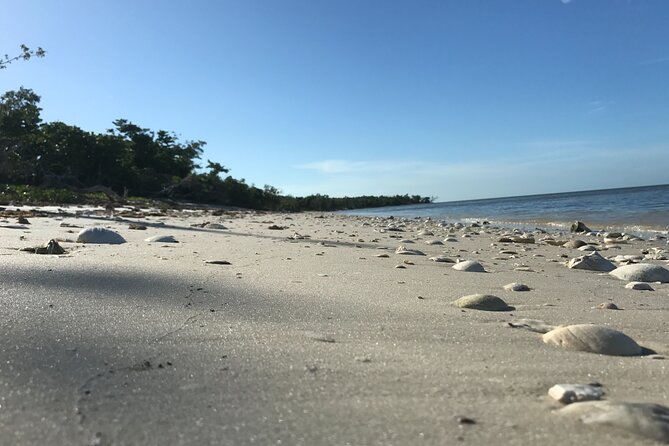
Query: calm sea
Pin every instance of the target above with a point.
(641, 210)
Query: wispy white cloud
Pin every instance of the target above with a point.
(546, 166)
(655, 61)
(598, 106)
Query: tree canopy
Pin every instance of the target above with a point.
(130, 159)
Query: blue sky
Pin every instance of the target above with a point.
(454, 99)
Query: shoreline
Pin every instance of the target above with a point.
(315, 332)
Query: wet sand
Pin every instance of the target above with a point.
(307, 336)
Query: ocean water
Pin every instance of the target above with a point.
(638, 210)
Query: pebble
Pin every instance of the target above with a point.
(606, 306)
(642, 286)
(485, 302)
(593, 339)
(100, 236)
(470, 266)
(642, 272)
(571, 393)
(643, 419)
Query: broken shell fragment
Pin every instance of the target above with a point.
(571, 393)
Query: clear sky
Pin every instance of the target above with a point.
(456, 99)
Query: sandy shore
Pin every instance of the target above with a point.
(307, 337)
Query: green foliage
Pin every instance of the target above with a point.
(43, 195)
(58, 161)
(26, 54)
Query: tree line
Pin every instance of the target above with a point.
(134, 161)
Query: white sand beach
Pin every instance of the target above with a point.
(307, 336)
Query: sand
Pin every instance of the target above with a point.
(306, 337)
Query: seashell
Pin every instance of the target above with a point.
(470, 266)
(641, 272)
(403, 250)
(606, 306)
(434, 242)
(571, 393)
(587, 248)
(426, 232)
(51, 247)
(643, 419)
(523, 239)
(443, 259)
(161, 239)
(593, 339)
(453, 239)
(215, 226)
(642, 286)
(218, 262)
(574, 244)
(515, 286)
(485, 302)
(534, 325)
(579, 226)
(591, 262)
(100, 236)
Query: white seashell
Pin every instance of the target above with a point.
(470, 266)
(161, 239)
(593, 339)
(644, 419)
(641, 272)
(443, 259)
(100, 236)
(571, 393)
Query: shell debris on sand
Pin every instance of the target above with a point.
(593, 339)
(644, 419)
(102, 236)
(485, 302)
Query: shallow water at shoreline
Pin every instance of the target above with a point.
(641, 210)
